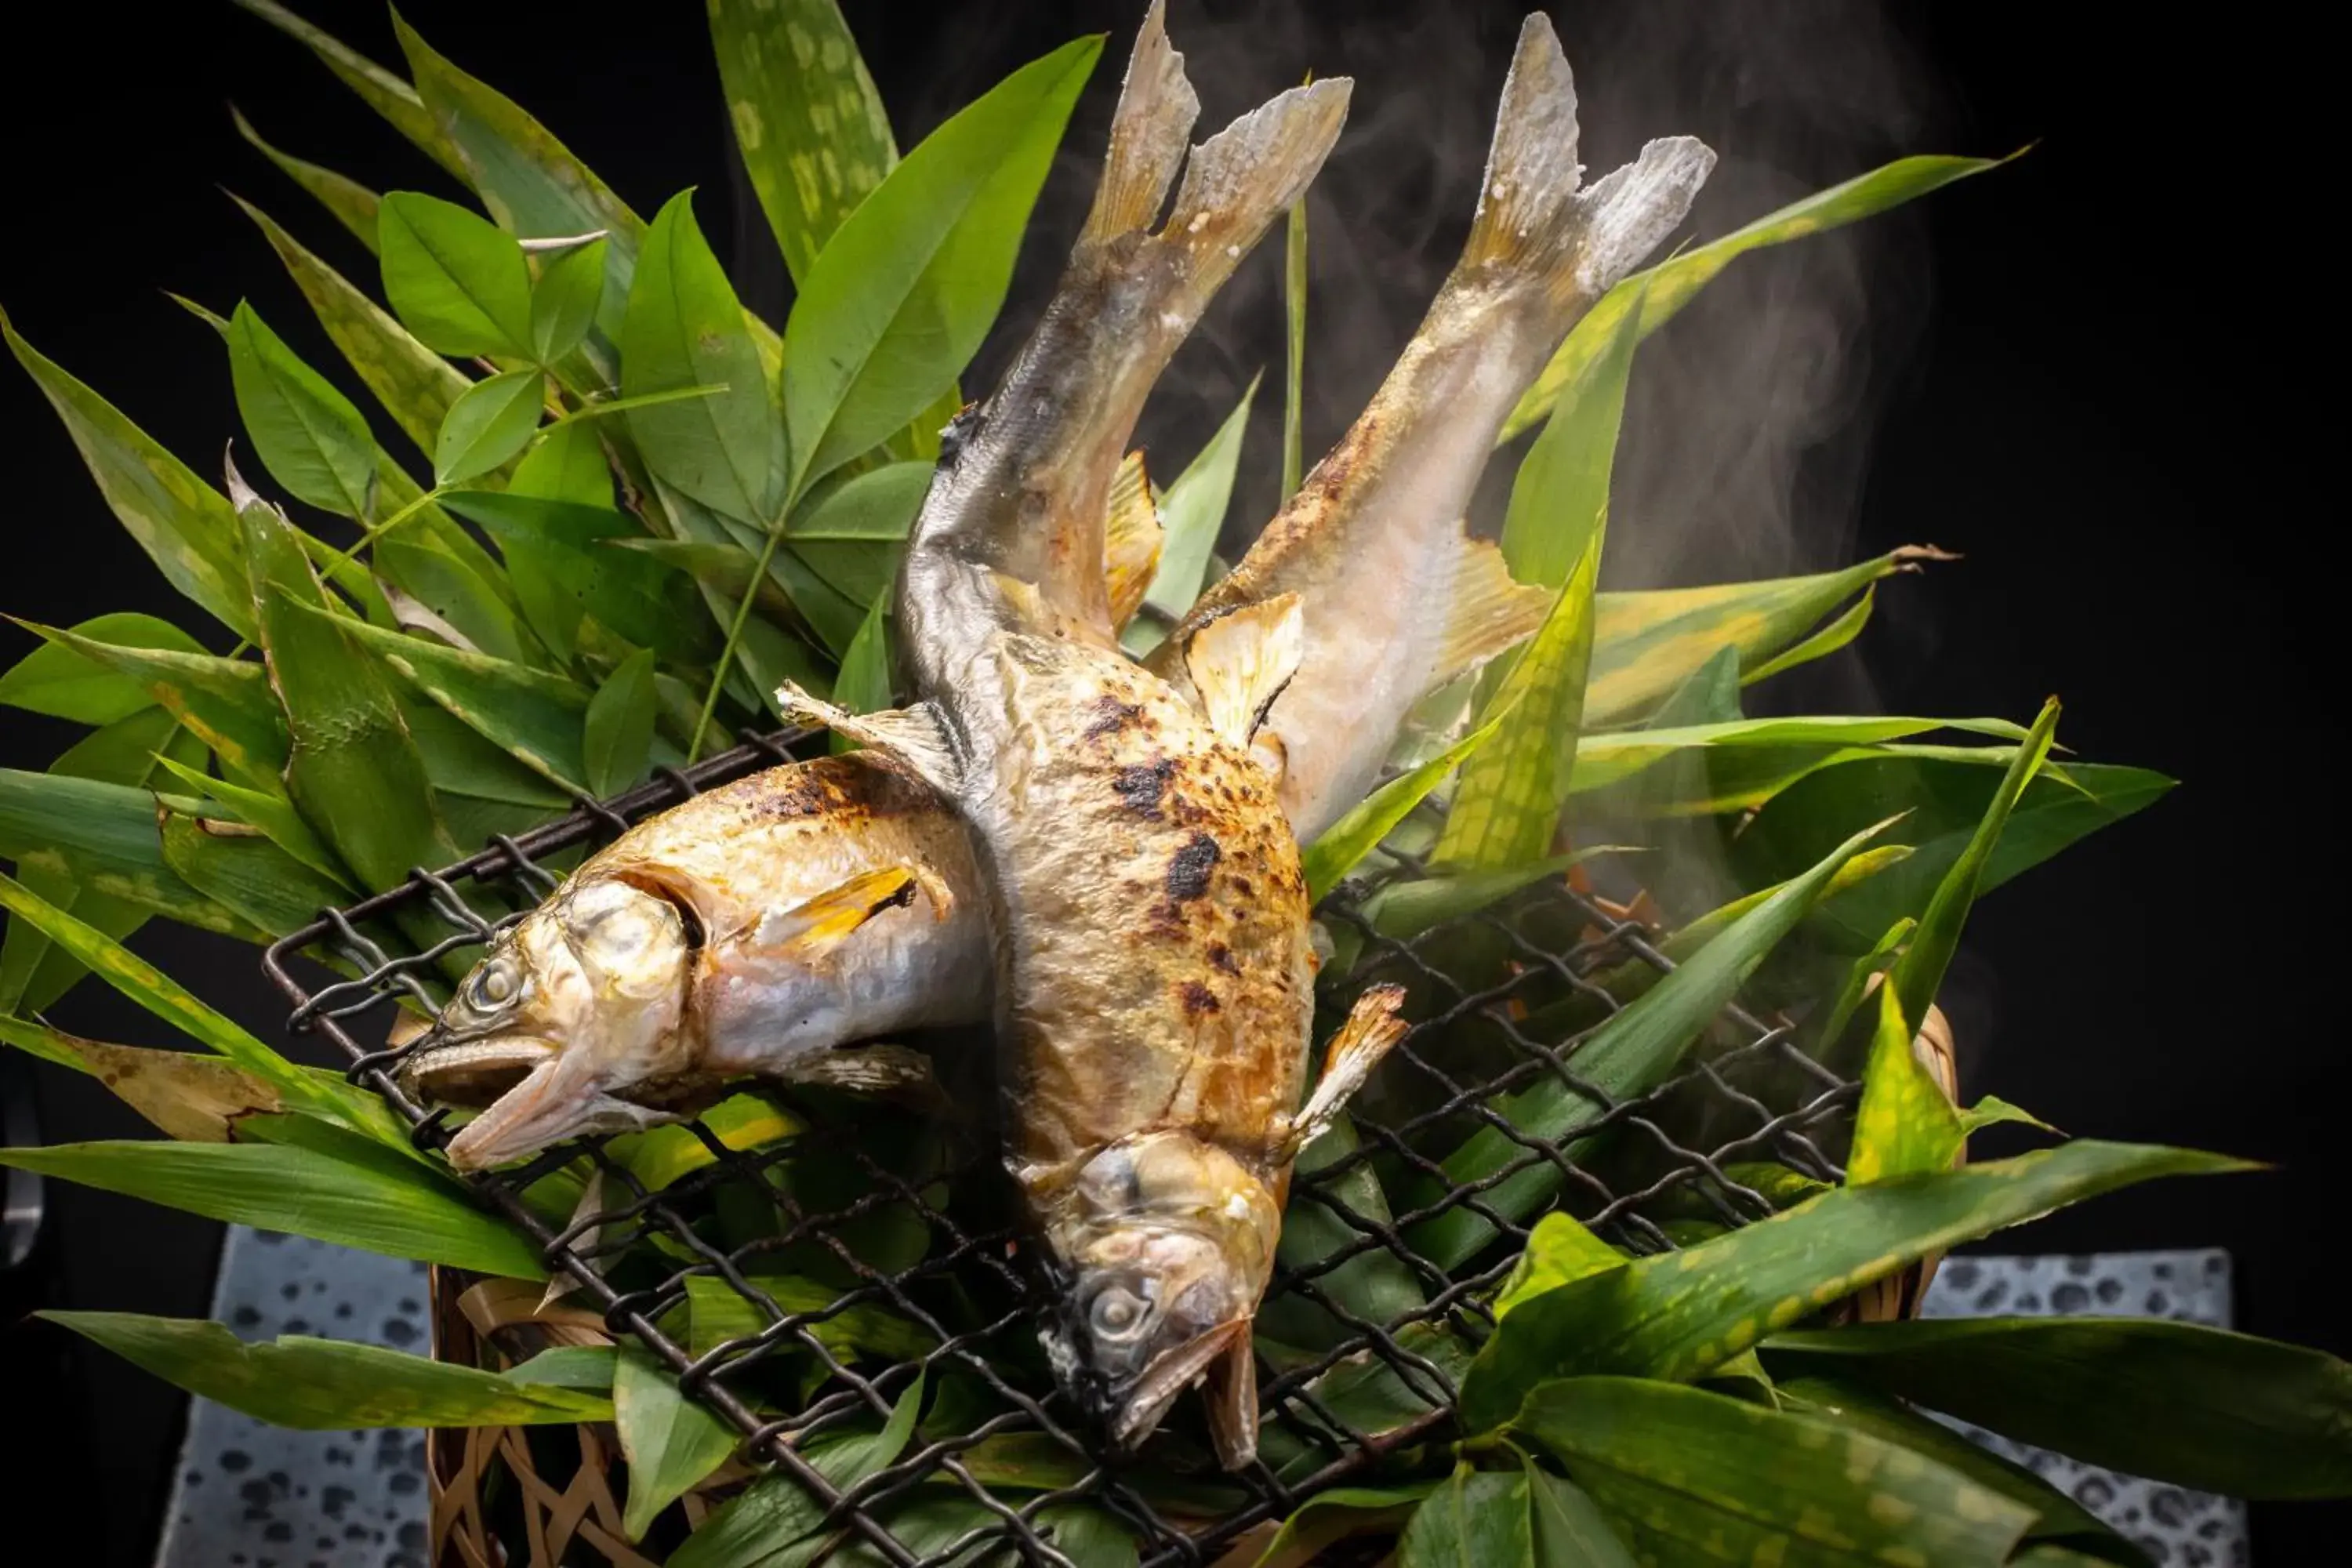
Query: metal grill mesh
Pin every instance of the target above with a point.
(911, 1231)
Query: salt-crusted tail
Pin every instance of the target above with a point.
(1156, 110)
(1536, 218)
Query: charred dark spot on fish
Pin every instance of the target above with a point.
(960, 432)
(1189, 868)
(1197, 999)
(1110, 717)
(1222, 957)
(1139, 787)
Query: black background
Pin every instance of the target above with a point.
(2092, 371)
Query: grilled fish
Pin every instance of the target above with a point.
(1155, 976)
(746, 932)
(1383, 509)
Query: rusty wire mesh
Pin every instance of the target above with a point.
(911, 1222)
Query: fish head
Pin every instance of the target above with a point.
(1160, 1259)
(568, 1025)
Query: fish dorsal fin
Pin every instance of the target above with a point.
(1131, 541)
(912, 736)
(1488, 612)
(816, 925)
(1157, 107)
(1239, 663)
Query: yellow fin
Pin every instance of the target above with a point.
(1488, 612)
(1239, 663)
(1131, 542)
(911, 735)
(1156, 110)
(1371, 1029)
(814, 925)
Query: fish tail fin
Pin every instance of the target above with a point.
(1488, 611)
(1240, 179)
(1239, 664)
(1157, 107)
(1534, 215)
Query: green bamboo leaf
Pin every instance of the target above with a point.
(456, 280)
(83, 838)
(1946, 801)
(1850, 990)
(1855, 1405)
(670, 1442)
(1647, 643)
(1709, 695)
(1992, 1111)
(309, 435)
(1919, 973)
(1478, 1517)
(378, 87)
(908, 286)
(1506, 809)
(225, 702)
(1605, 760)
(353, 769)
(776, 1510)
(470, 772)
(563, 301)
(1905, 1126)
(1330, 1516)
(561, 564)
(415, 384)
(1368, 1396)
(1192, 513)
(685, 329)
(321, 1385)
(185, 526)
(274, 815)
(1326, 1214)
(1570, 1530)
(1832, 636)
(864, 684)
(1338, 849)
(1405, 909)
(1672, 284)
(2196, 1406)
(487, 426)
(566, 464)
(811, 130)
(717, 1312)
(1676, 1314)
(242, 870)
(1632, 1051)
(1694, 1475)
(351, 204)
(876, 507)
(534, 718)
(417, 561)
(395, 1207)
(530, 181)
(617, 736)
(1560, 1251)
(56, 680)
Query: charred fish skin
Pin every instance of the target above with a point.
(1397, 601)
(1155, 973)
(748, 932)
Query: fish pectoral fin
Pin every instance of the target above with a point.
(1372, 1028)
(1131, 541)
(898, 1073)
(1232, 1396)
(911, 735)
(1240, 662)
(816, 924)
(1488, 612)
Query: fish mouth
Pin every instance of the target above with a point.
(470, 1071)
(1171, 1372)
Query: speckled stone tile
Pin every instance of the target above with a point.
(2175, 1528)
(254, 1496)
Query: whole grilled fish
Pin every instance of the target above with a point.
(1396, 600)
(1155, 977)
(746, 932)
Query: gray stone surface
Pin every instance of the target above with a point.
(249, 1495)
(2177, 1529)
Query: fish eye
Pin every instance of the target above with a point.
(496, 985)
(1117, 1313)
